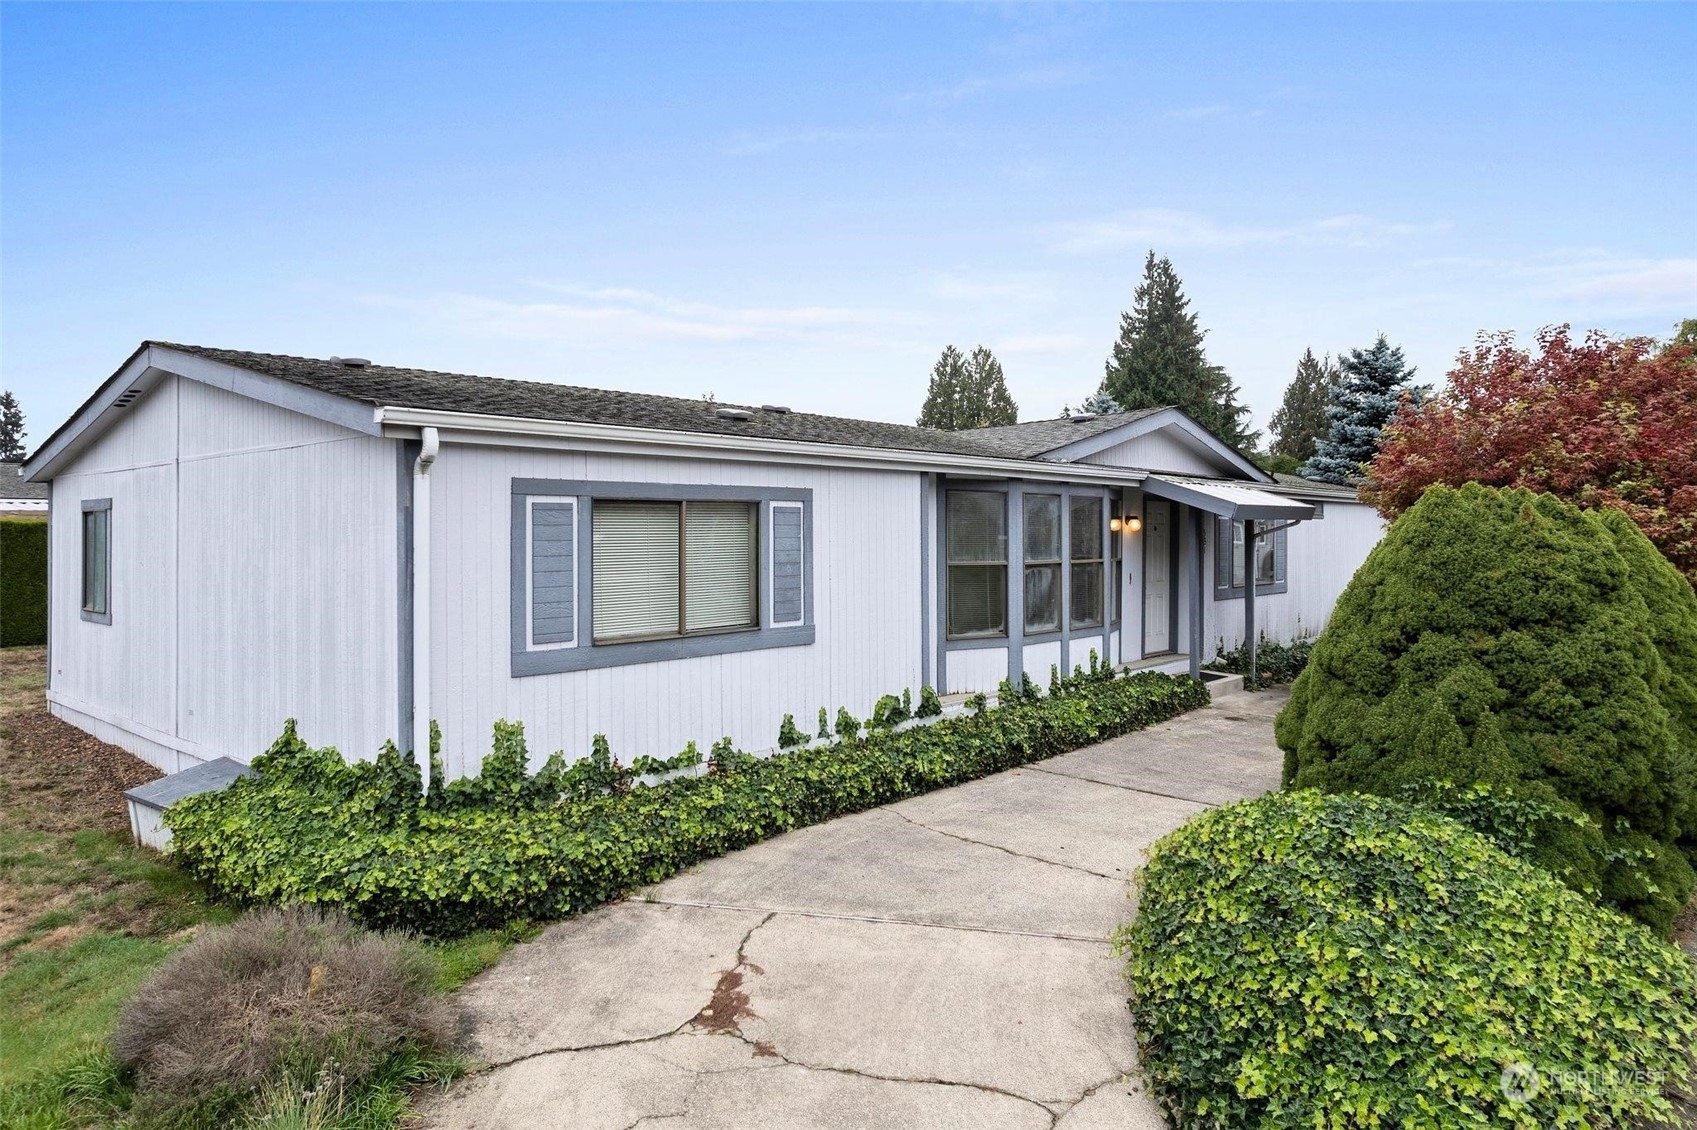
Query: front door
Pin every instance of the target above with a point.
(1157, 576)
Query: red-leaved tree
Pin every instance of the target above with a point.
(1606, 422)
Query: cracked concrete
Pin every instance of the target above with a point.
(938, 963)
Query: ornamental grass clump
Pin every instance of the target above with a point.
(1507, 639)
(484, 851)
(279, 999)
(1306, 960)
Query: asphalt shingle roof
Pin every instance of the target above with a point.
(12, 484)
(385, 385)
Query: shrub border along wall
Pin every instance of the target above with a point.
(505, 845)
(23, 581)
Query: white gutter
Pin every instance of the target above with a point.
(469, 427)
(430, 444)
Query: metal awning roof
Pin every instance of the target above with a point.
(1236, 501)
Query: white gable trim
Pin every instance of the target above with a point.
(153, 363)
(1176, 418)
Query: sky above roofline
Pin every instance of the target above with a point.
(803, 205)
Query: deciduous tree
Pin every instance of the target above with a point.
(1604, 422)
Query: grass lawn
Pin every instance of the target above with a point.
(85, 916)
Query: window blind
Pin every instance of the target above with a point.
(1042, 514)
(977, 527)
(635, 551)
(719, 556)
(1085, 552)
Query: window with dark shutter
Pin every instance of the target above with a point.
(789, 603)
(553, 573)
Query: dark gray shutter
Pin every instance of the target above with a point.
(788, 602)
(553, 572)
(1279, 556)
(1223, 564)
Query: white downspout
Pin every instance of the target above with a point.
(431, 444)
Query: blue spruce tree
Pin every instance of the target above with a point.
(1374, 381)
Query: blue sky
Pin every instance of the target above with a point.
(804, 204)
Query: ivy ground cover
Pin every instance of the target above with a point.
(507, 845)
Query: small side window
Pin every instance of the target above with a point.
(97, 560)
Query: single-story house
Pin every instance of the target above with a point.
(20, 498)
(240, 538)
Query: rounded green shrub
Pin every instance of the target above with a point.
(1506, 638)
(1306, 960)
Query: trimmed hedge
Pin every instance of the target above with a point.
(1506, 638)
(1305, 960)
(368, 837)
(23, 581)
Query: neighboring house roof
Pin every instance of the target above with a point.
(1316, 488)
(369, 398)
(13, 485)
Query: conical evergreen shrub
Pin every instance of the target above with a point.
(1506, 638)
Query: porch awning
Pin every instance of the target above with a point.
(1237, 501)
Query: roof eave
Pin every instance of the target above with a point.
(473, 427)
(150, 364)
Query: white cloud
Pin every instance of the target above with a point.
(751, 144)
(1198, 113)
(1026, 78)
(1171, 227)
(1040, 344)
(1003, 286)
(624, 315)
(1596, 279)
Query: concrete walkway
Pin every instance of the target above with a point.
(938, 963)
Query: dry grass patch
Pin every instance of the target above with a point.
(279, 995)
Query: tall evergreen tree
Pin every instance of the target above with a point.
(988, 399)
(967, 392)
(1374, 381)
(11, 429)
(1159, 360)
(1301, 419)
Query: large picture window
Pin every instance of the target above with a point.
(609, 574)
(664, 569)
(1085, 558)
(1042, 519)
(97, 560)
(977, 547)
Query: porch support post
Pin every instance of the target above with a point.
(1249, 598)
(1195, 592)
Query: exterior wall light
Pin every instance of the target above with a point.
(1114, 524)
(1134, 524)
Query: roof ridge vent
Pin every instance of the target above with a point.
(734, 414)
(775, 409)
(1080, 417)
(352, 362)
